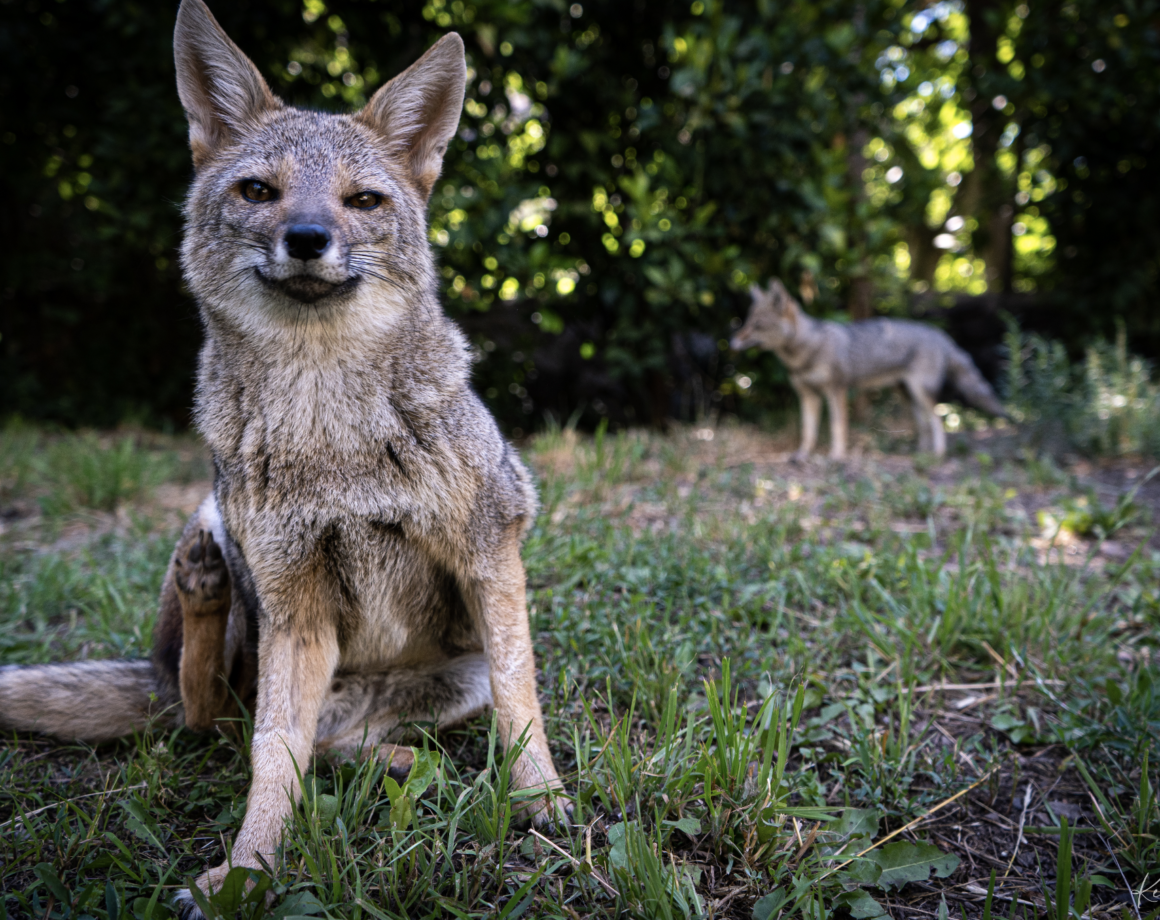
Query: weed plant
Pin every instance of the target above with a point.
(1108, 406)
(744, 669)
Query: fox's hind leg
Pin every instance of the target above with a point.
(931, 436)
(366, 712)
(839, 422)
(201, 582)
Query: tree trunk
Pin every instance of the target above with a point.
(988, 195)
(859, 302)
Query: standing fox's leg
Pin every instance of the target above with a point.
(839, 422)
(201, 582)
(938, 435)
(811, 402)
(498, 603)
(931, 436)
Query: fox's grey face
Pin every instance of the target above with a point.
(308, 211)
(772, 320)
(290, 207)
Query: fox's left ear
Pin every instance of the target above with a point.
(220, 88)
(419, 109)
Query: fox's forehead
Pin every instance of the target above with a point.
(762, 307)
(293, 147)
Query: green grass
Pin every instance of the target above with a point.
(740, 666)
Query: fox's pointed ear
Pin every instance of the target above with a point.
(220, 88)
(418, 111)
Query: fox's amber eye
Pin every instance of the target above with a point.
(253, 190)
(365, 200)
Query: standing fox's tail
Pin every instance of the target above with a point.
(971, 385)
(85, 700)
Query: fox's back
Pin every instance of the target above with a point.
(882, 351)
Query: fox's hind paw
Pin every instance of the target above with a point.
(202, 578)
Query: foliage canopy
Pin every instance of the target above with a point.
(622, 173)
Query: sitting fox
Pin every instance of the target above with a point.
(827, 358)
(358, 564)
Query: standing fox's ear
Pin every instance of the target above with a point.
(777, 290)
(220, 88)
(418, 111)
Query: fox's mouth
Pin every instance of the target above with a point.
(307, 288)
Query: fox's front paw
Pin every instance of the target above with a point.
(202, 578)
(552, 813)
(184, 903)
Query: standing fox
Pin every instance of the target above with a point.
(827, 358)
(358, 563)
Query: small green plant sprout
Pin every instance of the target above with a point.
(649, 887)
(1109, 406)
(1059, 903)
(1085, 516)
(1135, 829)
(403, 798)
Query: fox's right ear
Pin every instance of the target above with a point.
(220, 88)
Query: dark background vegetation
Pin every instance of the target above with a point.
(624, 171)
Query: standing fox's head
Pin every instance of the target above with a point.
(774, 319)
(296, 215)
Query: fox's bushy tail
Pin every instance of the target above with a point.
(85, 700)
(971, 384)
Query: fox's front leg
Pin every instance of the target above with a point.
(297, 656)
(500, 606)
(811, 402)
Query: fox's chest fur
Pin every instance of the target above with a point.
(325, 459)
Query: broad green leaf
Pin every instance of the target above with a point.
(422, 773)
(903, 862)
(856, 822)
(860, 905)
(690, 826)
(402, 812)
(298, 904)
(393, 789)
(141, 823)
(618, 846)
(862, 871)
(112, 902)
(52, 882)
(769, 905)
(327, 806)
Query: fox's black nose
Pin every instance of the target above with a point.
(307, 241)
